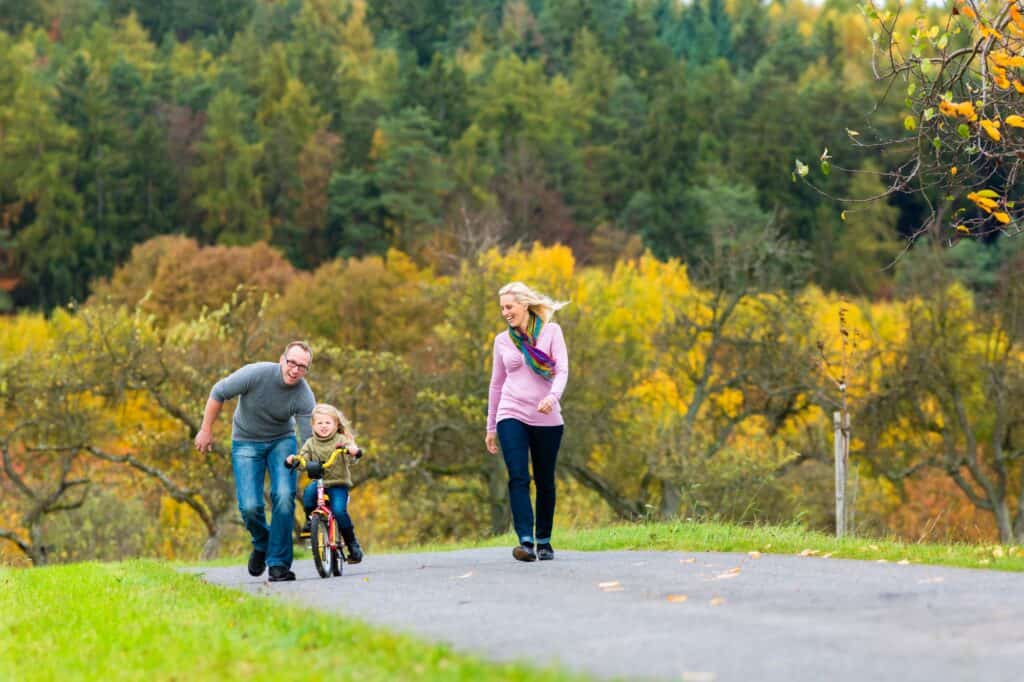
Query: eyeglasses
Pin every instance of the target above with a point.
(295, 365)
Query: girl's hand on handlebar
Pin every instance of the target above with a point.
(290, 461)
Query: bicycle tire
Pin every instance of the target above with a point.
(337, 561)
(320, 544)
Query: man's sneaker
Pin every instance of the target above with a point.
(524, 552)
(306, 528)
(544, 552)
(280, 574)
(257, 562)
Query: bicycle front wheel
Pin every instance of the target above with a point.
(320, 543)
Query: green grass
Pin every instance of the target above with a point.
(142, 620)
(723, 537)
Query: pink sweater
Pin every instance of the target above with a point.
(516, 389)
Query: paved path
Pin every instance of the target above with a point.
(687, 616)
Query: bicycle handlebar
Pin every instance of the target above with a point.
(316, 469)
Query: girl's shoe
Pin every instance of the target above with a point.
(355, 552)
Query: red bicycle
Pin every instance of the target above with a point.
(325, 541)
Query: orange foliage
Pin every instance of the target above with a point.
(182, 277)
(936, 510)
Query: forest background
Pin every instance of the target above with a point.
(185, 185)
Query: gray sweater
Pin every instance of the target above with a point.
(268, 409)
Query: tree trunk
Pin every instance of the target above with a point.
(1003, 522)
(36, 550)
(622, 505)
(497, 486)
(671, 498)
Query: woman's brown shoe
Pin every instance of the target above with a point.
(524, 553)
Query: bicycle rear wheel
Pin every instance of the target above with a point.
(337, 561)
(320, 543)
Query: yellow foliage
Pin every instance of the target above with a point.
(991, 128)
(983, 202)
(23, 331)
(965, 109)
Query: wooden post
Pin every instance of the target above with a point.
(841, 435)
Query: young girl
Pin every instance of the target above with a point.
(330, 432)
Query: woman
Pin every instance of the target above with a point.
(528, 376)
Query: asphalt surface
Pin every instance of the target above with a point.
(685, 616)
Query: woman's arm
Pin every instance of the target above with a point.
(494, 393)
(560, 354)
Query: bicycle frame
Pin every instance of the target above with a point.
(324, 509)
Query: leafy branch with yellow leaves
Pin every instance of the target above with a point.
(961, 146)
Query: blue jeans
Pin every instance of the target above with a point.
(521, 444)
(251, 461)
(338, 502)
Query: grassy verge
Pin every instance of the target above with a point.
(142, 620)
(722, 537)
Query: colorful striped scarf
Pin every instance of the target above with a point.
(536, 359)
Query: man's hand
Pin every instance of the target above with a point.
(204, 440)
(491, 440)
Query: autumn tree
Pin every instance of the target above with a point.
(176, 279)
(947, 402)
(960, 148)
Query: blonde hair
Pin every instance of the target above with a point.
(537, 303)
(331, 411)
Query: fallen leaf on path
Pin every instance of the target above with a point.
(827, 556)
(698, 677)
(809, 552)
(754, 555)
(687, 561)
(676, 598)
(903, 562)
(731, 573)
(610, 583)
(717, 601)
(464, 575)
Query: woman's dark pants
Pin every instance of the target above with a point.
(521, 443)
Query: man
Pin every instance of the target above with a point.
(273, 397)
